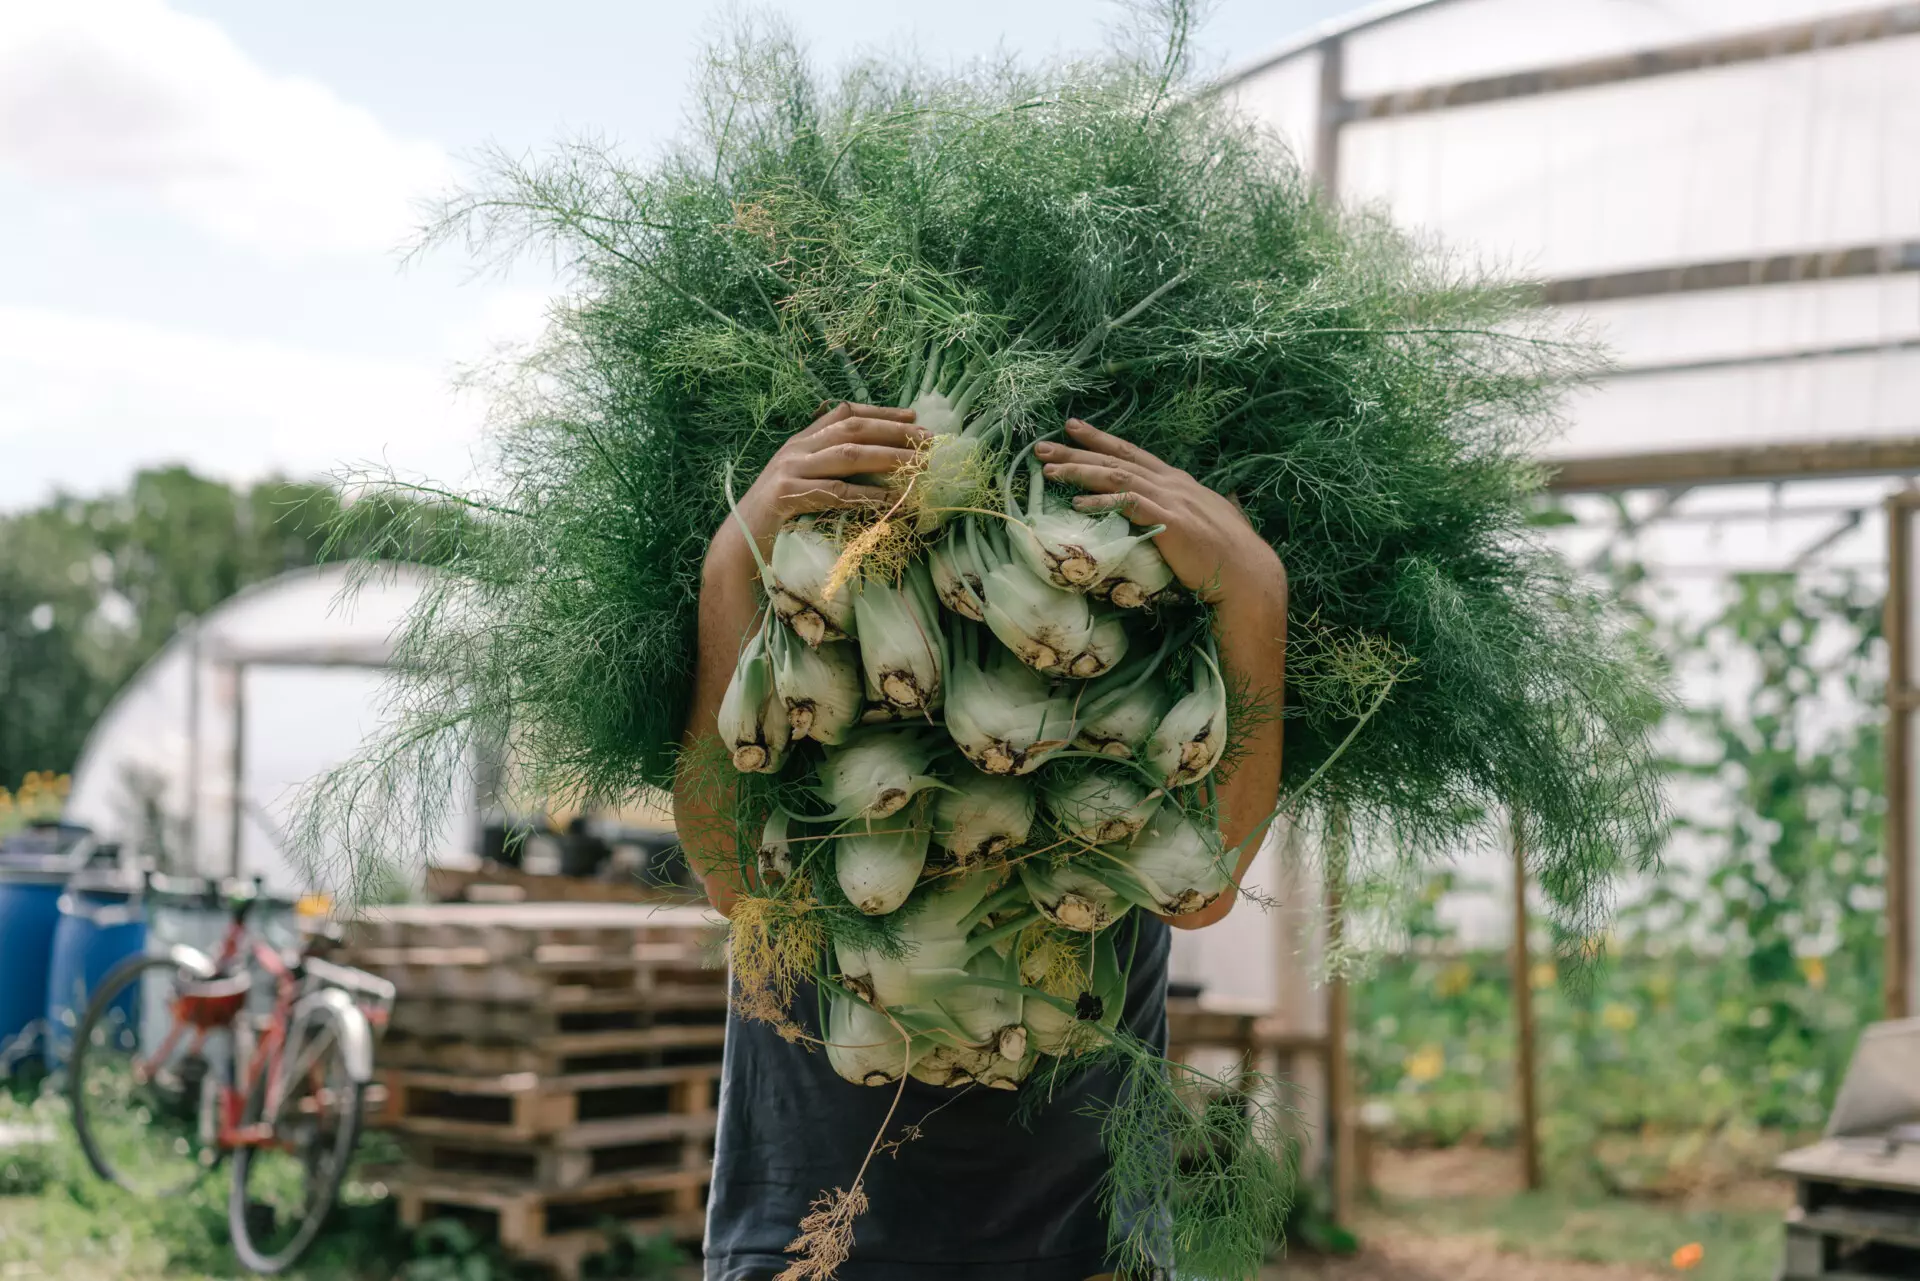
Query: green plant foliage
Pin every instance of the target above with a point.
(58, 1219)
(1218, 1162)
(1134, 253)
(1728, 1007)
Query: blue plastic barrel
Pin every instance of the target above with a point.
(101, 923)
(29, 892)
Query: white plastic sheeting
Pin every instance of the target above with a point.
(1803, 152)
(294, 665)
(1808, 152)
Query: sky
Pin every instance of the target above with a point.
(204, 205)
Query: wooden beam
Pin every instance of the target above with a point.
(1762, 359)
(1738, 464)
(1897, 826)
(1525, 1074)
(1736, 273)
(1326, 137)
(1699, 55)
(1342, 1111)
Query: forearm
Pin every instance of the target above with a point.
(705, 791)
(1250, 629)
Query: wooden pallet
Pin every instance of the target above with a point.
(543, 1168)
(520, 929)
(1838, 1244)
(561, 1055)
(595, 1011)
(562, 1230)
(494, 883)
(576, 1110)
(456, 974)
(1857, 1212)
(581, 1161)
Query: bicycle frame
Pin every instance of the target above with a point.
(264, 1056)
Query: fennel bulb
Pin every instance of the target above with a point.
(1179, 865)
(1098, 808)
(1071, 897)
(863, 1045)
(1190, 738)
(982, 817)
(752, 720)
(1070, 548)
(879, 863)
(795, 579)
(899, 629)
(875, 772)
(819, 686)
(1005, 717)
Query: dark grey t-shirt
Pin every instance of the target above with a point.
(976, 1195)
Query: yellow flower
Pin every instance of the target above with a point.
(1618, 1017)
(1426, 1063)
(1454, 980)
(1814, 968)
(1544, 975)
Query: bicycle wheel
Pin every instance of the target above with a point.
(135, 1080)
(283, 1190)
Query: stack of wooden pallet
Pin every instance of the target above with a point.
(550, 1067)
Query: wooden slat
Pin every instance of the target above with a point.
(1855, 1163)
(1740, 464)
(1735, 273)
(1869, 25)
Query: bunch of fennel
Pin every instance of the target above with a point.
(992, 722)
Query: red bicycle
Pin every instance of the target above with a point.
(174, 1066)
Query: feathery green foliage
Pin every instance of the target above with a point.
(1139, 256)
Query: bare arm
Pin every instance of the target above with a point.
(809, 473)
(1214, 552)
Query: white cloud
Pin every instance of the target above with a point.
(129, 94)
(84, 400)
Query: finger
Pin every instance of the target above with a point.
(869, 431)
(823, 495)
(881, 411)
(826, 416)
(850, 459)
(1103, 477)
(1138, 509)
(847, 409)
(1088, 436)
(1052, 451)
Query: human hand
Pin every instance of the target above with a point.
(1207, 543)
(813, 471)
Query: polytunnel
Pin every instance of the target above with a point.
(196, 764)
(1725, 194)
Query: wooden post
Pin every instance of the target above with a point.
(1297, 1058)
(237, 773)
(1341, 1112)
(1897, 828)
(1523, 1064)
(1332, 109)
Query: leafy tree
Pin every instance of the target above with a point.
(91, 588)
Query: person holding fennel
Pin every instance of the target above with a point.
(977, 1195)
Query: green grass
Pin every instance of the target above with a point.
(57, 1220)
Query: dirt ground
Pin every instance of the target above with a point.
(1394, 1255)
(1404, 1238)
